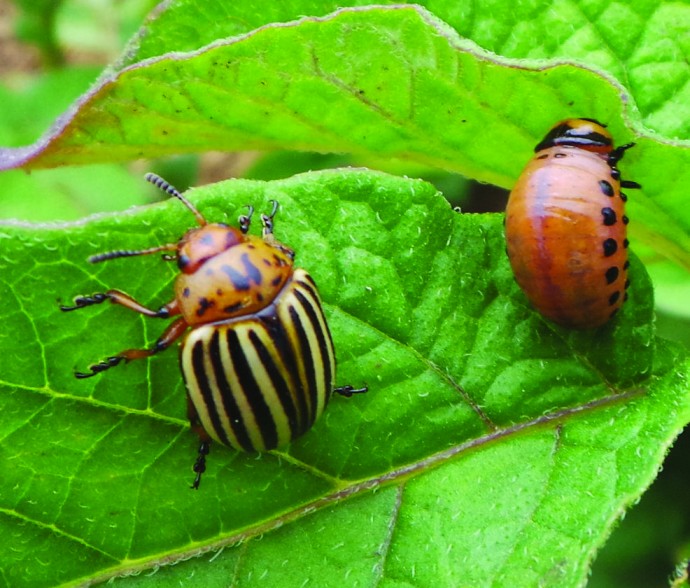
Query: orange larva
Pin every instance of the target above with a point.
(566, 226)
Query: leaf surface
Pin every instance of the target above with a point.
(387, 81)
(492, 445)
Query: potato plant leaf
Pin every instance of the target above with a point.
(384, 81)
(492, 447)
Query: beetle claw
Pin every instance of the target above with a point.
(97, 368)
(348, 391)
(200, 463)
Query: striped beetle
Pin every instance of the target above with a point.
(256, 355)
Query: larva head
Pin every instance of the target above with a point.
(583, 133)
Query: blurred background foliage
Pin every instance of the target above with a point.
(51, 51)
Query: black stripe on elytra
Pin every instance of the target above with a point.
(281, 386)
(304, 353)
(310, 286)
(289, 358)
(227, 395)
(199, 374)
(252, 392)
(320, 354)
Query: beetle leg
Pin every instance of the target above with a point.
(174, 331)
(245, 220)
(267, 220)
(348, 391)
(267, 232)
(200, 463)
(117, 297)
(205, 446)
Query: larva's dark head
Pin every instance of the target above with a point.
(584, 133)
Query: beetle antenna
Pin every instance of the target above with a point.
(130, 253)
(168, 188)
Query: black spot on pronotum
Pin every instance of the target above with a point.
(186, 292)
(611, 275)
(204, 305)
(606, 188)
(253, 272)
(232, 308)
(609, 216)
(238, 280)
(610, 247)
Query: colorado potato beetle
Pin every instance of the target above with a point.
(256, 353)
(566, 226)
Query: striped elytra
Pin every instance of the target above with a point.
(256, 353)
(566, 226)
(258, 382)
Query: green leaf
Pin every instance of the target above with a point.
(386, 81)
(492, 447)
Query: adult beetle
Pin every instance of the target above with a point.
(256, 353)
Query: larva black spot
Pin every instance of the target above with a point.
(606, 188)
(610, 247)
(611, 275)
(609, 216)
(614, 298)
